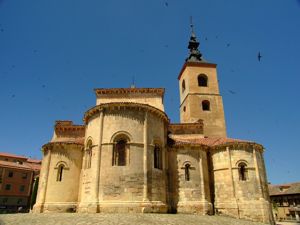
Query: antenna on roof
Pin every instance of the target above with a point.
(132, 84)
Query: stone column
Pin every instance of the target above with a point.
(257, 175)
(98, 157)
(43, 182)
(230, 171)
(201, 177)
(232, 181)
(80, 190)
(145, 158)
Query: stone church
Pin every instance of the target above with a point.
(128, 157)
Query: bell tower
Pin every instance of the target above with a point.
(199, 92)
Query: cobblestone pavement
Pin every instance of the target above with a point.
(119, 219)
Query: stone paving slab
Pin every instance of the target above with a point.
(117, 219)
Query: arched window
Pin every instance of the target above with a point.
(183, 86)
(120, 152)
(88, 154)
(187, 171)
(242, 171)
(157, 157)
(205, 105)
(60, 171)
(202, 80)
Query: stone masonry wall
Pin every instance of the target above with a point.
(236, 197)
(63, 195)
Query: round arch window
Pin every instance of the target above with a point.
(202, 80)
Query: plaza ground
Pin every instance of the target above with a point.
(118, 219)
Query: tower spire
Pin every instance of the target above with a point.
(195, 55)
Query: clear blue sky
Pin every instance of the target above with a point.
(54, 53)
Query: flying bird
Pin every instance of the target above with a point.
(232, 92)
(228, 44)
(259, 56)
(166, 4)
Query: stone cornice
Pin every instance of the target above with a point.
(238, 145)
(113, 91)
(123, 106)
(50, 145)
(232, 144)
(67, 128)
(186, 128)
(196, 64)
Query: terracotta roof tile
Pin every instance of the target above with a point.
(34, 166)
(5, 154)
(210, 141)
(30, 160)
(284, 189)
(15, 165)
(26, 163)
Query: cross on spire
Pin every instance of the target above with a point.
(195, 55)
(192, 27)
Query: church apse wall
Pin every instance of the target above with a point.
(131, 160)
(237, 181)
(65, 166)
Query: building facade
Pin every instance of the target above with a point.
(17, 174)
(286, 201)
(128, 157)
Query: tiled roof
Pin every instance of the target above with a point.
(34, 166)
(284, 189)
(24, 166)
(5, 154)
(26, 163)
(30, 160)
(207, 141)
